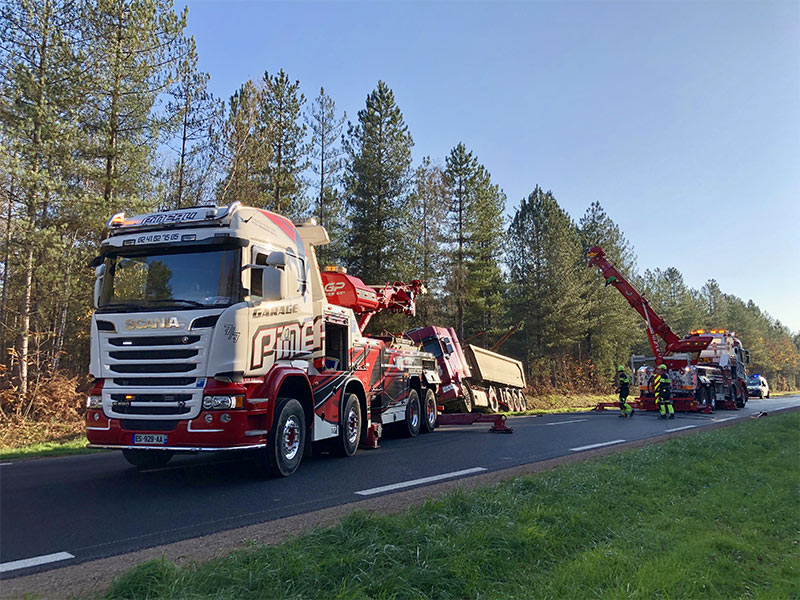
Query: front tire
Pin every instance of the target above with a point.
(413, 418)
(147, 459)
(428, 411)
(349, 436)
(286, 440)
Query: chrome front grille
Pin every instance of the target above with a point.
(154, 377)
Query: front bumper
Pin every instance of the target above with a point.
(244, 431)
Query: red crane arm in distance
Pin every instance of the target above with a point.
(656, 326)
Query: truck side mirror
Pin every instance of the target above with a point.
(747, 357)
(99, 272)
(276, 259)
(266, 282)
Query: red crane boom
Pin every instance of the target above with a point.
(656, 326)
(367, 300)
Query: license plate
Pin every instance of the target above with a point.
(150, 438)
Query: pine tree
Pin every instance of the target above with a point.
(476, 230)
(134, 53)
(485, 284)
(672, 299)
(326, 153)
(461, 172)
(244, 150)
(280, 110)
(377, 175)
(425, 233)
(193, 112)
(545, 266)
(41, 96)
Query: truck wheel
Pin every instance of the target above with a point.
(493, 404)
(346, 442)
(413, 420)
(738, 398)
(467, 402)
(523, 401)
(508, 399)
(286, 440)
(147, 459)
(710, 398)
(428, 411)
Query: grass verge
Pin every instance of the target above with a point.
(713, 515)
(75, 445)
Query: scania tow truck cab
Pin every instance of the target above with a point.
(212, 331)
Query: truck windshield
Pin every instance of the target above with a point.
(432, 345)
(170, 280)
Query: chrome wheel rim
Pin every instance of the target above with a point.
(352, 425)
(291, 437)
(431, 411)
(414, 414)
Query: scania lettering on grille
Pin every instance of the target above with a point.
(165, 323)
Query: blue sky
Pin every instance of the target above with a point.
(681, 118)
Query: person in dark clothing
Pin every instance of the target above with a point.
(624, 389)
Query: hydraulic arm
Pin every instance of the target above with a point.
(366, 300)
(656, 326)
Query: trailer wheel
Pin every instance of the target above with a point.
(286, 440)
(428, 411)
(512, 394)
(507, 399)
(413, 418)
(493, 404)
(523, 401)
(147, 459)
(467, 402)
(346, 443)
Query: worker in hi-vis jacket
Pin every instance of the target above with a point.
(624, 389)
(663, 387)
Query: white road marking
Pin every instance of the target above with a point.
(682, 428)
(34, 562)
(5, 464)
(565, 422)
(579, 448)
(722, 420)
(405, 484)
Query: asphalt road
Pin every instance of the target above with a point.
(60, 511)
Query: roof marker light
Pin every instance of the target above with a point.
(116, 221)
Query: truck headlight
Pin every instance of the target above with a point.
(223, 402)
(94, 402)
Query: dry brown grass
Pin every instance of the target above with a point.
(52, 412)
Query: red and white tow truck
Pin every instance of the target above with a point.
(213, 332)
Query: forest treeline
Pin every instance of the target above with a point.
(103, 109)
